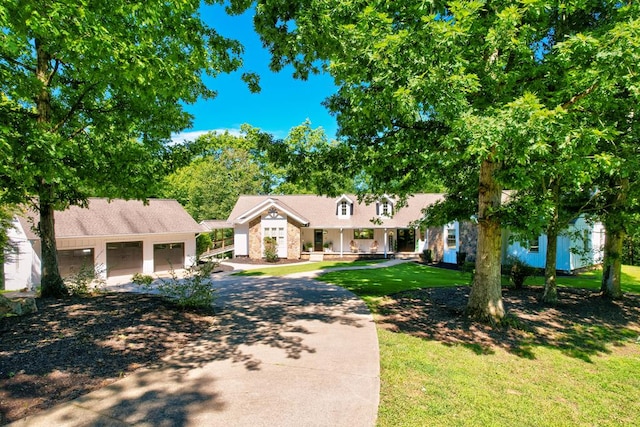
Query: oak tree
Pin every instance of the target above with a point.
(446, 86)
(90, 92)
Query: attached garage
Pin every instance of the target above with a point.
(71, 262)
(167, 256)
(124, 258)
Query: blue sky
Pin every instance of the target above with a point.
(283, 103)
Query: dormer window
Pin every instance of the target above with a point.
(344, 207)
(384, 208)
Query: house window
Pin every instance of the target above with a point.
(363, 233)
(534, 245)
(344, 208)
(386, 209)
(276, 233)
(451, 238)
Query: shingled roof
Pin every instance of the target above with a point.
(121, 218)
(321, 212)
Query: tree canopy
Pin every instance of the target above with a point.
(90, 92)
(478, 93)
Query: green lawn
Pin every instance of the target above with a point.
(428, 382)
(386, 281)
(301, 268)
(425, 382)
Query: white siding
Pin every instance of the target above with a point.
(241, 239)
(19, 270)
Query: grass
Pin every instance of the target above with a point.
(302, 268)
(429, 382)
(425, 382)
(591, 280)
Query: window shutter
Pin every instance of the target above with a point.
(351, 208)
(337, 209)
(377, 208)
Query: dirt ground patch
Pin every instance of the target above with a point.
(73, 346)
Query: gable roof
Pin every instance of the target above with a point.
(265, 204)
(119, 218)
(320, 211)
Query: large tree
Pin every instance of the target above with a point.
(89, 93)
(427, 87)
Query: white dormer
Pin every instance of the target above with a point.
(344, 207)
(384, 207)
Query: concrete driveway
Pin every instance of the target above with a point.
(283, 352)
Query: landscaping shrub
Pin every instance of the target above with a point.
(194, 290)
(271, 249)
(87, 281)
(518, 271)
(427, 256)
(460, 258)
(141, 279)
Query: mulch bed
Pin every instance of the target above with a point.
(73, 346)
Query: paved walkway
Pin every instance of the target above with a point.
(283, 352)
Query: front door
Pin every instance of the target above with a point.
(406, 240)
(318, 236)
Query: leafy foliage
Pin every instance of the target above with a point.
(90, 92)
(88, 280)
(193, 290)
(528, 96)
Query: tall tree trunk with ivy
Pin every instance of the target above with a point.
(550, 294)
(611, 285)
(485, 299)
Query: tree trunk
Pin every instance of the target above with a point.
(51, 281)
(2, 258)
(612, 263)
(485, 299)
(550, 294)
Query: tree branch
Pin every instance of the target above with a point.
(75, 107)
(579, 96)
(18, 63)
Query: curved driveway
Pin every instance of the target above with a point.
(283, 352)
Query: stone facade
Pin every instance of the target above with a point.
(293, 240)
(255, 239)
(468, 239)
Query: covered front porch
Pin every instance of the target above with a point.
(360, 243)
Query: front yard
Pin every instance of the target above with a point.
(573, 364)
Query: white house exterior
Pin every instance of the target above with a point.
(343, 227)
(339, 227)
(116, 237)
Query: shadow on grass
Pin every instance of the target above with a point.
(582, 325)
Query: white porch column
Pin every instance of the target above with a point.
(385, 242)
(341, 244)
